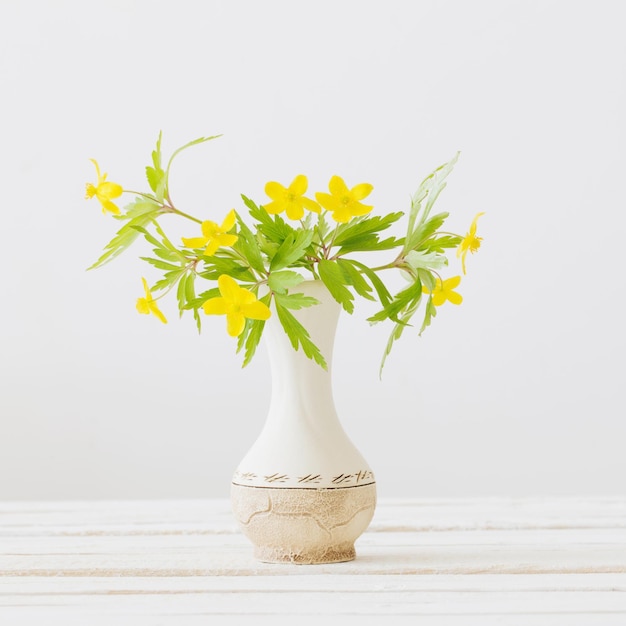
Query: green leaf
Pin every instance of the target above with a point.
(200, 299)
(367, 226)
(155, 173)
(275, 229)
(292, 249)
(125, 237)
(383, 293)
(425, 230)
(137, 208)
(402, 300)
(404, 320)
(172, 257)
(180, 293)
(430, 311)
(280, 282)
(425, 197)
(427, 278)
(296, 301)
(252, 334)
(434, 260)
(370, 243)
(248, 246)
(441, 243)
(335, 280)
(217, 265)
(169, 279)
(355, 278)
(161, 265)
(190, 292)
(298, 336)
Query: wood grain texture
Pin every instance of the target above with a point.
(463, 561)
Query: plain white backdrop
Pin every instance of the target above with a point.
(518, 391)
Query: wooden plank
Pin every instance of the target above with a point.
(462, 561)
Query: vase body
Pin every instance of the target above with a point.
(303, 493)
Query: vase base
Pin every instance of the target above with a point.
(304, 526)
(326, 554)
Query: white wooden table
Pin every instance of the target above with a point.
(463, 561)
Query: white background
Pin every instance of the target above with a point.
(518, 391)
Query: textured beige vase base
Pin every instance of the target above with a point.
(303, 525)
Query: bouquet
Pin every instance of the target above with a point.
(249, 270)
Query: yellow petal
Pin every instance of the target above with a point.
(109, 190)
(299, 185)
(329, 202)
(295, 211)
(229, 221)
(454, 297)
(337, 186)
(235, 323)
(227, 240)
(228, 287)
(341, 214)
(438, 298)
(475, 222)
(275, 190)
(245, 297)
(463, 257)
(451, 283)
(215, 306)
(109, 206)
(211, 249)
(256, 311)
(146, 288)
(277, 206)
(356, 208)
(310, 205)
(194, 242)
(361, 191)
(142, 306)
(97, 169)
(155, 309)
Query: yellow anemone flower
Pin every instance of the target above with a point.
(148, 304)
(237, 304)
(290, 199)
(444, 291)
(470, 242)
(213, 236)
(104, 191)
(343, 202)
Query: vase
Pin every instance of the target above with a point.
(303, 493)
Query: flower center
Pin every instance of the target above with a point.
(474, 244)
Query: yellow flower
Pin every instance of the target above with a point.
(214, 236)
(104, 191)
(148, 305)
(343, 202)
(237, 304)
(470, 242)
(444, 291)
(291, 199)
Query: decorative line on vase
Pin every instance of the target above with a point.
(359, 477)
(245, 475)
(310, 478)
(276, 478)
(353, 479)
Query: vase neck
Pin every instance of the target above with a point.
(298, 381)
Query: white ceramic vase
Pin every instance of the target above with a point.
(303, 493)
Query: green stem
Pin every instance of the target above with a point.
(167, 207)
